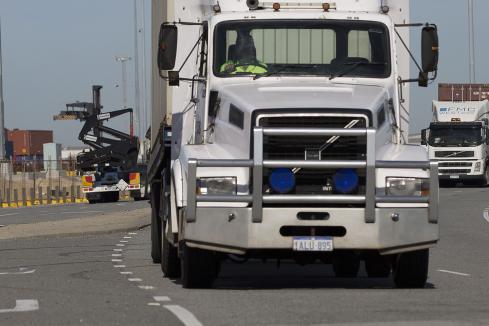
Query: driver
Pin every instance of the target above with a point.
(245, 61)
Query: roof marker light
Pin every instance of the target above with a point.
(253, 4)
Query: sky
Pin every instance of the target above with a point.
(55, 50)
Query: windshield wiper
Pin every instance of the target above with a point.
(283, 69)
(270, 73)
(353, 66)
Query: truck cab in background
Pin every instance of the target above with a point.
(458, 135)
(280, 135)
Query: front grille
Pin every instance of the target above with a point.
(312, 182)
(454, 154)
(454, 164)
(453, 171)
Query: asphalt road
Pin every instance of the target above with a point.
(25, 215)
(110, 280)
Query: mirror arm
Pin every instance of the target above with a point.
(191, 51)
(409, 51)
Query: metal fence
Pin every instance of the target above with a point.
(34, 182)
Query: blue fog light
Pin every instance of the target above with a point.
(282, 180)
(345, 181)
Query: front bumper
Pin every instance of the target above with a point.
(232, 230)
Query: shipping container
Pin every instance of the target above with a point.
(29, 142)
(463, 92)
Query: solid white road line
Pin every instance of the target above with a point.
(21, 271)
(185, 316)
(161, 298)
(22, 306)
(9, 214)
(454, 273)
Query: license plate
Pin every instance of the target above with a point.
(313, 244)
(454, 177)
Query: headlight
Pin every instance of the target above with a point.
(407, 187)
(477, 167)
(217, 186)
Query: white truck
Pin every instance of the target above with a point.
(457, 139)
(278, 131)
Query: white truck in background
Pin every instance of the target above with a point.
(458, 135)
(278, 132)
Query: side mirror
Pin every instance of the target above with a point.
(167, 47)
(429, 48)
(423, 137)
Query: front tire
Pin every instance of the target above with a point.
(170, 263)
(411, 269)
(199, 268)
(155, 226)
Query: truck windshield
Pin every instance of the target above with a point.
(456, 137)
(302, 48)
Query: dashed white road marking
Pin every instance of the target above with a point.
(154, 304)
(127, 237)
(21, 271)
(116, 260)
(22, 306)
(161, 298)
(120, 245)
(452, 272)
(132, 233)
(486, 214)
(119, 250)
(123, 241)
(9, 214)
(146, 287)
(116, 255)
(119, 266)
(126, 273)
(185, 316)
(134, 279)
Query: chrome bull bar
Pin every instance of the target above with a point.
(257, 198)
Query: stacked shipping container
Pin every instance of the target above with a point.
(28, 144)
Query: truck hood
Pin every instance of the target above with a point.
(301, 94)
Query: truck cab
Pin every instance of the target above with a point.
(457, 139)
(287, 139)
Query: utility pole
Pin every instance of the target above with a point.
(137, 95)
(471, 42)
(2, 105)
(123, 61)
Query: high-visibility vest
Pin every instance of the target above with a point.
(252, 69)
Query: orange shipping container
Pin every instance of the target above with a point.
(29, 142)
